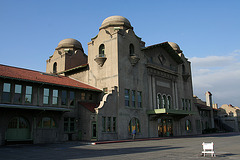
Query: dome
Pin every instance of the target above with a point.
(116, 20)
(175, 46)
(113, 19)
(69, 43)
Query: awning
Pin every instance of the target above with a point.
(15, 106)
(170, 112)
(178, 114)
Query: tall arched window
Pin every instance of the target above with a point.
(55, 67)
(159, 101)
(134, 124)
(102, 50)
(131, 50)
(164, 101)
(188, 125)
(169, 102)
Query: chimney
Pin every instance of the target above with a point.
(208, 99)
(209, 104)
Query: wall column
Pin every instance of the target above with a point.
(176, 95)
(150, 92)
(154, 92)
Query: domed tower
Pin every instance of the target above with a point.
(114, 49)
(115, 22)
(117, 65)
(185, 69)
(175, 47)
(68, 54)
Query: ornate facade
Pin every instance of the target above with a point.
(134, 87)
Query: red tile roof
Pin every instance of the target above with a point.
(89, 106)
(40, 77)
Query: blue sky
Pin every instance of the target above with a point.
(207, 31)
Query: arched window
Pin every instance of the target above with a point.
(134, 124)
(188, 125)
(55, 67)
(102, 50)
(46, 122)
(164, 101)
(169, 102)
(18, 122)
(159, 101)
(18, 129)
(131, 50)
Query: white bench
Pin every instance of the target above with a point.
(208, 148)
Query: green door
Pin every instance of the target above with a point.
(18, 129)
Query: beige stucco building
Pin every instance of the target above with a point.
(120, 86)
(230, 117)
(147, 89)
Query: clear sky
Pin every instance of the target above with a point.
(208, 32)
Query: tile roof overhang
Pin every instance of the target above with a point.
(10, 72)
(89, 106)
(168, 48)
(15, 106)
(74, 68)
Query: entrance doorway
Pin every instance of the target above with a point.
(94, 130)
(165, 127)
(18, 130)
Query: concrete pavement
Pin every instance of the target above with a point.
(227, 146)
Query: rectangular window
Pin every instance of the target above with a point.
(45, 96)
(190, 106)
(139, 94)
(28, 95)
(55, 97)
(6, 95)
(114, 124)
(72, 98)
(198, 125)
(83, 96)
(133, 98)
(104, 124)
(69, 124)
(65, 124)
(72, 124)
(18, 93)
(186, 104)
(126, 97)
(183, 104)
(64, 97)
(109, 124)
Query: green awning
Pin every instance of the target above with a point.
(15, 106)
(170, 112)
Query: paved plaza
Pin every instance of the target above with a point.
(227, 146)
